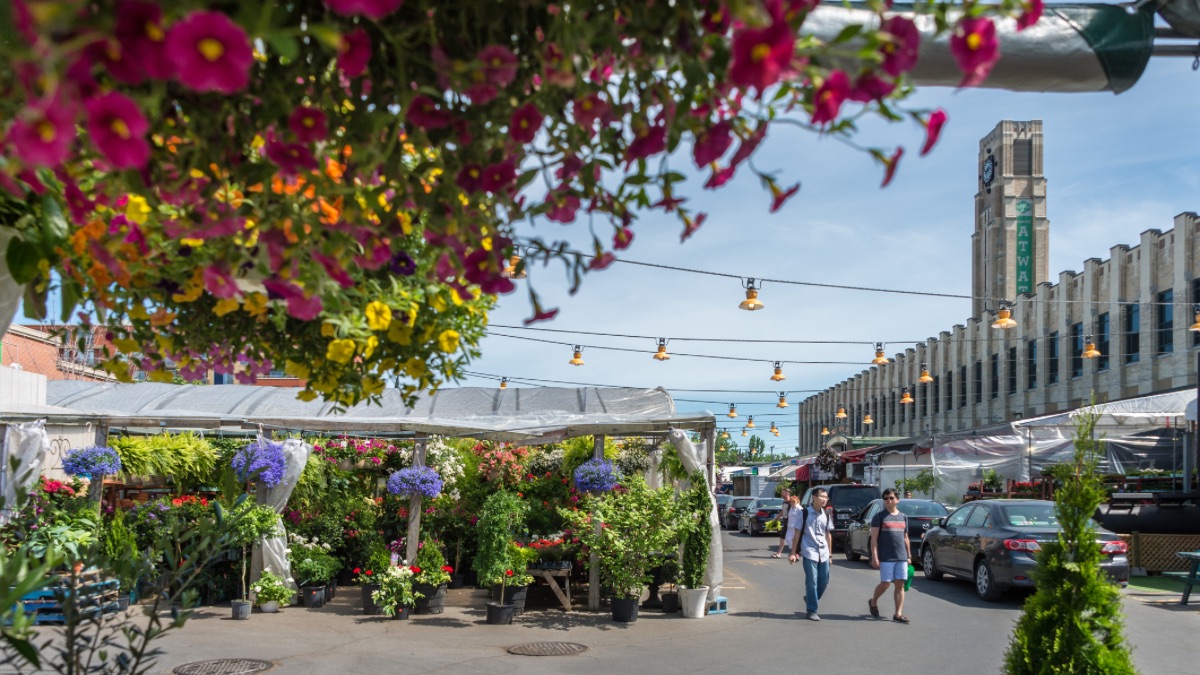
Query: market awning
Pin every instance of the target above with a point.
(855, 455)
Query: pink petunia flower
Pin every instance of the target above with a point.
(933, 130)
(712, 143)
(563, 205)
(219, 281)
(622, 238)
(291, 158)
(761, 56)
(42, 133)
(541, 315)
(828, 99)
(1031, 15)
(109, 53)
(525, 123)
(975, 48)
(484, 269)
(779, 195)
(871, 87)
(373, 9)
(354, 52)
(118, 129)
(901, 50)
(587, 110)
(647, 141)
(890, 165)
(210, 53)
(299, 305)
(716, 19)
(690, 225)
(499, 176)
(425, 114)
(499, 65)
(470, 178)
(334, 269)
(308, 124)
(143, 38)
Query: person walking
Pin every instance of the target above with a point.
(890, 554)
(812, 543)
(788, 503)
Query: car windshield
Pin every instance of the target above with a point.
(740, 503)
(1030, 515)
(919, 509)
(770, 503)
(853, 498)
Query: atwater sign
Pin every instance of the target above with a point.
(1024, 246)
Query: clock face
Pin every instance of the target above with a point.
(989, 170)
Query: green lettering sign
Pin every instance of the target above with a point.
(1024, 268)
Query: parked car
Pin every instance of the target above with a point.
(920, 512)
(756, 514)
(846, 501)
(995, 543)
(722, 502)
(733, 511)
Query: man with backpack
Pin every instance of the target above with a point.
(812, 543)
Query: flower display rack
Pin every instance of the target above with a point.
(95, 594)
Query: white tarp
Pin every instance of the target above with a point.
(714, 576)
(22, 453)
(273, 550)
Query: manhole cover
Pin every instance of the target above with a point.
(548, 649)
(224, 667)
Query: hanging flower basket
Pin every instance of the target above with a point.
(415, 480)
(596, 475)
(92, 462)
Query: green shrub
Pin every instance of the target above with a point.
(697, 532)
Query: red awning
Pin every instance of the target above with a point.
(854, 455)
(803, 472)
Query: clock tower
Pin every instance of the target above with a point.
(1010, 248)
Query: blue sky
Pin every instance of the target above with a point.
(1116, 165)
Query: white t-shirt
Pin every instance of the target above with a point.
(814, 543)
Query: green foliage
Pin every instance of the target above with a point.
(431, 561)
(991, 480)
(923, 483)
(501, 520)
(117, 542)
(1072, 623)
(187, 458)
(638, 523)
(519, 559)
(272, 588)
(580, 449)
(633, 458)
(696, 531)
(395, 590)
(377, 557)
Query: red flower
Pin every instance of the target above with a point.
(871, 87)
(1033, 12)
(374, 9)
(142, 37)
(292, 158)
(308, 124)
(890, 165)
(447, 569)
(368, 572)
(354, 52)
(508, 573)
(499, 65)
(933, 129)
(712, 143)
(210, 53)
(525, 123)
(761, 55)
(647, 141)
(779, 195)
(900, 50)
(499, 176)
(425, 114)
(118, 129)
(829, 97)
(42, 133)
(587, 110)
(414, 569)
(976, 49)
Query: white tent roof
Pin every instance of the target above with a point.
(1143, 410)
(513, 414)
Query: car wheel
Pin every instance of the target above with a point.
(985, 582)
(750, 530)
(928, 566)
(851, 554)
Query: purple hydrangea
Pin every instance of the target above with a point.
(93, 461)
(262, 461)
(415, 480)
(596, 475)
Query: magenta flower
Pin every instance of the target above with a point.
(291, 158)
(373, 9)
(975, 48)
(779, 195)
(900, 49)
(829, 97)
(499, 65)
(354, 52)
(108, 52)
(118, 129)
(933, 130)
(470, 178)
(219, 281)
(690, 225)
(143, 38)
(540, 314)
(647, 141)
(716, 19)
(761, 56)
(425, 114)
(499, 176)
(525, 123)
(890, 164)
(42, 134)
(712, 143)
(481, 94)
(563, 205)
(1031, 15)
(622, 238)
(871, 87)
(210, 53)
(299, 305)
(483, 269)
(308, 124)
(587, 110)
(334, 269)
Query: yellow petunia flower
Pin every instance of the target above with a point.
(193, 243)
(307, 395)
(372, 344)
(406, 222)
(255, 304)
(414, 367)
(400, 334)
(226, 306)
(138, 312)
(328, 330)
(340, 350)
(296, 370)
(127, 345)
(448, 340)
(379, 315)
(161, 376)
(438, 303)
(372, 386)
(137, 210)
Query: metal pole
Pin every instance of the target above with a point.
(593, 558)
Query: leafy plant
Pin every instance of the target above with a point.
(1072, 622)
(185, 457)
(118, 542)
(396, 589)
(431, 564)
(923, 482)
(271, 587)
(500, 521)
(991, 480)
(696, 531)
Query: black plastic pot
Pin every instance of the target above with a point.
(498, 614)
(369, 606)
(401, 612)
(514, 595)
(625, 610)
(670, 602)
(458, 580)
(313, 596)
(434, 601)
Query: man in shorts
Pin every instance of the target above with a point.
(890, 554)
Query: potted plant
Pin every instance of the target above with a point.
(270, 591)
(369, 577)
(499, 518)
(431, 576)
(396, 596)
(668, 576)
(514, 587)
(697, 538)
(992, 481)
(251, 523)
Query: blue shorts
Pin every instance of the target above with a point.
(893, 571)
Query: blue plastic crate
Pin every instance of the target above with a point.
(719, 606)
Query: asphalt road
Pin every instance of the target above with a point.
(764, 631)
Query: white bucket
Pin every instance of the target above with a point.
(694, 601)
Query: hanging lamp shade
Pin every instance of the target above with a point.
(778, 376)
(906, 397)
(776, 432)
(867, 421)
(577, 360)
(1089, 349)
(514, 263)
(1004, 319)
(504, 383)
(925, 377)
(774, 429)
(732, 410)
(1196, 326)
(662, 351)
(824, 431)
(751, 303)
(880, 359)
(782, 400)
(841, 412)
(724, 433)
(744, 431)
(750, 422)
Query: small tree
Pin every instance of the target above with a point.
(696, 531)
(1072, 624)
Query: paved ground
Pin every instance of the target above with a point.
(763, 632)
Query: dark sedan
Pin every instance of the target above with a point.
(920, 512)
(733, 511)
(756, 514)
(995, 543)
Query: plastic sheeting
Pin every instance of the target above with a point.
(714, 576)
(21, 457)
(539, 414)
(274, 549)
